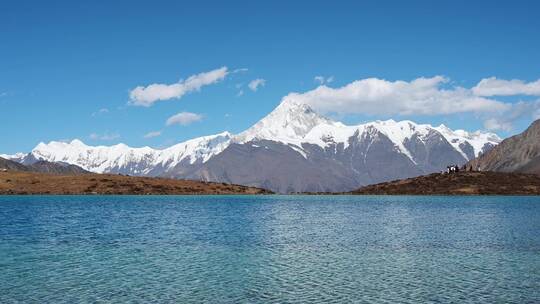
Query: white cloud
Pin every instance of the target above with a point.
(256, 83)
(105, 136)
(100, 111)
(147, 96)
(494, 124)
(184, 119)
(152, 134)
(500, 87)
(421, 96)
(323, 80)
(240, 93)
(241, 70)
(426, 96)
(519, 110)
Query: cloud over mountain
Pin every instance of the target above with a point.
(378, 96)
(426, 96)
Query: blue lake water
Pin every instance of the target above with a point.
(266, 249)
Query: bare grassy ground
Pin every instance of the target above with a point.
(462, 183)
(18, 182)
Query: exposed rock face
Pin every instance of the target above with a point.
(273, 165)
(432, 153)
(292, 149)
(519, 153)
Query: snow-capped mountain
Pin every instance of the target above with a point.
(123, 159)
(291, 149)
(296, 124)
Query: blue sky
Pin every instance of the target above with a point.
(67, 68)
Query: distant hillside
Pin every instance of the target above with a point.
(55, 168)
(42, 166)
(11, 165)
(24, 182)
(462, 183)
(519, 153)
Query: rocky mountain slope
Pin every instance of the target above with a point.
(519, 153)
(293, 149)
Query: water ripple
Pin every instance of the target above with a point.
(271, 249)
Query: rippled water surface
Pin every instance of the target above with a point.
(264, 249)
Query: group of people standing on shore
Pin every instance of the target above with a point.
(456, 168)
(452, 169)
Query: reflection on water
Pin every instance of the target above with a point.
(264, 249)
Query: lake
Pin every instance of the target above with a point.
(269, 249)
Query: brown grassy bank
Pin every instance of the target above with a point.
(19, 182)
(462, 183)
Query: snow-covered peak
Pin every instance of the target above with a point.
(295, 124)
(197, 149)
(14, 157)
(121, 157)
(478, 135)
(77, 142)
(290, 121)
(399, 131)
(476, 139)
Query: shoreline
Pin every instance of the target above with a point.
(93, 184)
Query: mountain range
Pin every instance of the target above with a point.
(292, 149)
